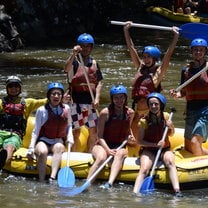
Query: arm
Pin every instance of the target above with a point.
(180, 94)
(133, 53)
(175, 94)
(166, 60)
(97, 94)
(171, 128)
(69, 62)
(101, 125)
(131, 138)
(40, 119)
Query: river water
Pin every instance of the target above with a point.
(39, 66)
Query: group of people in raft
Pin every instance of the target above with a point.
(60, 116)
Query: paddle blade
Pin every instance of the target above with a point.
(148, 186)
(194, 30)
(66, 178)
(77, 190)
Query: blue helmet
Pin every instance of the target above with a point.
(159, 96)
(152, 51)
(85, 38)
(198, 42)
(55, 85)
(118, 89)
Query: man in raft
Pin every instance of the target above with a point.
(14, 112)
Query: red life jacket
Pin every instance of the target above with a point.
(143, 83)
(79, 82)
(116, 129)
(198, 88)
(154, 131)
(56, 125)
(12, 119)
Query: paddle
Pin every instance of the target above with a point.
(87, 79)
(80, 189)
(191, 79)
(66, 178)
(189, 30)
(148, 185)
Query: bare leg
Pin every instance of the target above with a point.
(76, 134)
(145, 165)
(134, 126)
(195, 146)
(100, 156)
(57, 150)
(41, 151)
(10, 150)
(169, 161)
(117, 164)
(92, 138)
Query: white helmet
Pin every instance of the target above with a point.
(13, 79)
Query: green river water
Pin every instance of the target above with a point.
(39, 66)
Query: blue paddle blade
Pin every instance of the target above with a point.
(77, 190)
(148, 186)
(66, 178)
(194, 30)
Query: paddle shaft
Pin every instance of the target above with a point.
(191, 79)
(143, 25)
(86, 77)
(68, 153)
(104, 163)
(159, 151)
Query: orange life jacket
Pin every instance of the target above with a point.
(155, 130)
(143, 83)
(116, 129)
(13, 119)
(79, 82)
(56, 125)
(198, 88)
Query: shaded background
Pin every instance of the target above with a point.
(51, 22)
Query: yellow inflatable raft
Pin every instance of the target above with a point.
(162, 15)
(190, 169)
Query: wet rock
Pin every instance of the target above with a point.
(9, 37)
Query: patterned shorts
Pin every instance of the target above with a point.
(83, 114)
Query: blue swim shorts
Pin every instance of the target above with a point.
(197, 124)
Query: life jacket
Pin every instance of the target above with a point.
(198, 88)
(79, 82)
(12, 119)
(143, 83)
(56, 125)
(116, 129)
(154, 132)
